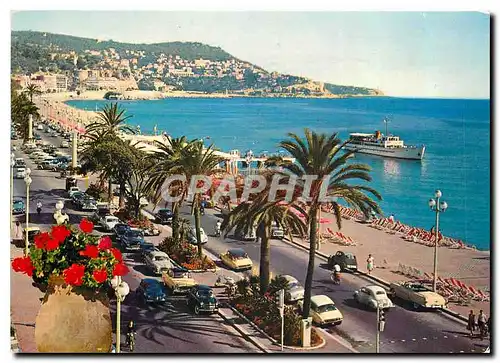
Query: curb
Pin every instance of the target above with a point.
(320, 345)
(243, 332)
(376, 279)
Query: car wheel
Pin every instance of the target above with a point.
(197, 309)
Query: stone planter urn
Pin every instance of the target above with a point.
(73, 321)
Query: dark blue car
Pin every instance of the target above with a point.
(152, 291)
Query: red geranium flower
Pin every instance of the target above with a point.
(100, 275)
(117, 254)
(105, 243)
(73, 275)
(86, 226)
(120, 269)
(90, 251)
(60, 233)
(41, 240)
(52, 244)
(24, 265)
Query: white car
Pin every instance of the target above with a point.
(20, 163)
(158, 261)
(192, 236)
(20, 173)
(39, 127)
(372, 295)
(277, 231)
(294, 290)
(73, 190)
(64, 144)
(251, 235)
(108, 222)
(323, 311)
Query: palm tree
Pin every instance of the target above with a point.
(167, 162)
(262, 213)
(320, 155)
(32, 90)
(21, 108)
(196, 160)
(110, 121)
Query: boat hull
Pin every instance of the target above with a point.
(408, 153)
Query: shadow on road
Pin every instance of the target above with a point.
(144, 270)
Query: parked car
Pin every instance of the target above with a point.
(64, 144)
(132, 240)
(18, 207)
(277, 231)
(372, 296)
(152, 291)
(417, 294)
(147, 247)
(201, 298)
(87, 203)
(76, 197)
(73, 190)
(158, 261)
(346, 260)
(178, 280)
(164, 216)
(20, 163)
(32, 232)
(191, 236)
(294, 290)
(20, 173)
(248, 236)
(108, 222)
(119, 230)
(323, 311)
(236, 259)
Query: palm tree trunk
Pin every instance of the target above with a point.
(265, 257)
(121, 198)
(175, 222)
(110, 192)
(313, 212)
(197, 224)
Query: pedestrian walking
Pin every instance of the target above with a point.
(471, 323)
(391, 218)
(370, 261)
(481, 324)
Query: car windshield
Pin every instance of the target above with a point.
(164, 211)
(161, 258)
(18, 203)
(417, 288)
(326, 308)
(293, 285)
(121, 228)
(134, 234)
(349, 256)
(205, 292)
(380, 293)
(238, 254)
(181, 274)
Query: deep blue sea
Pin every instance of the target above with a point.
(456, 133)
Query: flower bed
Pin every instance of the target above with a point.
(186, 255)
(263, 311)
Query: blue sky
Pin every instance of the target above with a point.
(412, 54)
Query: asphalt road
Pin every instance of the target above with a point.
(406, 331)
(160, 329)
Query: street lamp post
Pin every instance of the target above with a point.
(27, 180)
(121, 290)
(12, 164)
(437, 206)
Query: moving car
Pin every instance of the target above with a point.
(178, 280)
(201, 298)
(146, 248)
(158, 261)
(20, 163)
(87, 203)
(20, 173)
(132, 240)
(18, 207)
(164, 216)
(294, 290)
(191, 236)
(108, 222)
(152, 291)
(346, 260)
(236, 259)
(323, 311)
(417, 294)
(277, 231)
(372, 296)
(119, 230)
